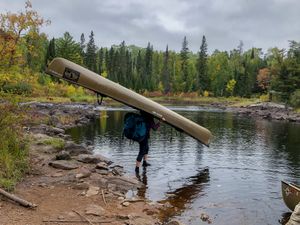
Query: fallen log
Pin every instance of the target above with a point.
(16, 199)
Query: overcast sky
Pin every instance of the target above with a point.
(258, 23)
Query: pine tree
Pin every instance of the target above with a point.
(166, 72)
(82, 45)
(184, 63)
(50, 54)
(148, 67)
(203, 82)
(101, 55)
(90, 58)
(67, 48)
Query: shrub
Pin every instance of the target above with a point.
(295, 98)
(13, 146)
(18, 88)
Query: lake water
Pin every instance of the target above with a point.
(246, 162)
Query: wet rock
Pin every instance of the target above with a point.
(63, 155)
(124, 183)
(94, 210)
(63, 164)
(204, 217)
(102, 166)
(75, 149)
(118, 171)
(102, 172)
(93, 159)
(174, 222)
(92, 191)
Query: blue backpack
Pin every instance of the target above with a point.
(134, 127)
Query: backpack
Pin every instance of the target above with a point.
(134, 127)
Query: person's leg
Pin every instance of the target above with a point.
(143, 149)
(145, 162)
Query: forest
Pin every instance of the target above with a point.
(25, 51)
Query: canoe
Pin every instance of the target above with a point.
(81, 76)
(290, 194)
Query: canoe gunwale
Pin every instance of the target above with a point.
(290, 202)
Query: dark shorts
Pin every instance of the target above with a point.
(144, 148)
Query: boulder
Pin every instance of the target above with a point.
(63, 155)
(63, 164)
(93, 159)
(75, 149)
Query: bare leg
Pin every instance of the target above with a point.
(146, 157)
(138, 164)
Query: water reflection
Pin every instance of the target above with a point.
(179, 199)
(247, 160)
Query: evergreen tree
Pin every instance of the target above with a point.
(148, 67)
(90, 58)
(166, 72)
(50, 54)
(82, 46)
(202, 78)
(101, 55)
(184, 63)
(67, 48)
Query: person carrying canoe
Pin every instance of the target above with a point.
(144, 144)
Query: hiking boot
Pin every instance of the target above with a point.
(137, 170)
(145, 164)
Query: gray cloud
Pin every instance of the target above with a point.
(264, 24)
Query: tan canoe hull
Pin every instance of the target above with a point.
(76, 74)
(290, 194)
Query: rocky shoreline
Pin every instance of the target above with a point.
(267, 110)
(70, 184)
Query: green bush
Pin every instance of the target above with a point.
(295, 98)
(18, 88)
(13, 148)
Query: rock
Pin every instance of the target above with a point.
(121, 198)
(55, 130)
(83, 173)
(63, 164)
(92, 191)
(126, 204)
(58, 174)
(102, 166)
(53, 120)
(117, 171)
(124, 183)
(75, 149)
(94, 159)
(63, 155)
(81, 186)
(174, 222)
(61, 217)
(102, 172)
(94, 210)
(204, 217)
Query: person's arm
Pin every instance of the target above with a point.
(154, 125)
